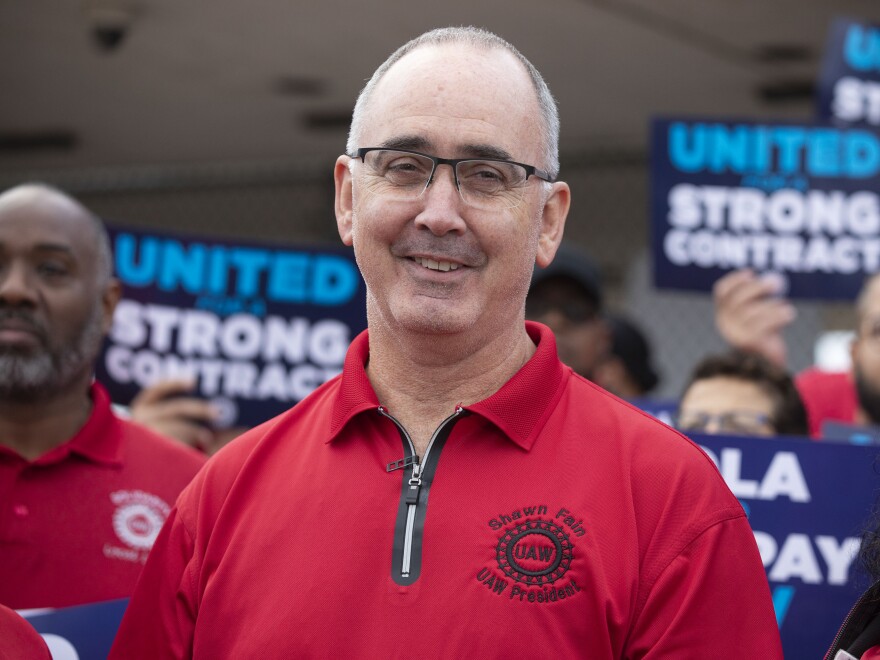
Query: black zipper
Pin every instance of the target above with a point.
(406, 561)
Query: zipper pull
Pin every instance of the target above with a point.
(402, 463)
(412, 495)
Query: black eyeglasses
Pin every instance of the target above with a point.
(487, 183)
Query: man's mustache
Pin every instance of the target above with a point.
(23, 319)
(450, 247)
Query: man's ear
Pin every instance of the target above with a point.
(553, 222)
(109, 299)
(343, 201)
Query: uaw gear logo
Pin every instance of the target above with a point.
(535, 552)
(533, 555)
(137, 520)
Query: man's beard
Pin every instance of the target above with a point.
(35, 374)
(869, 396)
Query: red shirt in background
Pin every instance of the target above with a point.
(76, 524)
(827, 396)
(19, 640)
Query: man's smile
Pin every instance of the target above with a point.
(436, 265)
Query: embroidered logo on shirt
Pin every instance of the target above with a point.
(137, 520)
(535, 552)
(533, 555)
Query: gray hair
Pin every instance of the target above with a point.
(470, 36)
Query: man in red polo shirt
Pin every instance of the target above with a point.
(457, 492)
(83, 493)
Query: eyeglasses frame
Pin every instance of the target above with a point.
(721, 418)
(531, 170)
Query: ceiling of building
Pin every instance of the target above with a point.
(91, 83)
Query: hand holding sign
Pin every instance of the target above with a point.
(750, 314)
(169, 408)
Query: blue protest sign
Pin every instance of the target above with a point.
(258, 327)
(849, 83)
(84, 632)
(807, 503)
(858, 434)
(800, 201)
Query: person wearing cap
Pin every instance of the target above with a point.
(567, 297)
(628, 370)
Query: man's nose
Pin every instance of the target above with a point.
(442, 204)
(16, 287)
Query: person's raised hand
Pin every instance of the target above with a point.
(169, 408)
(751, 313)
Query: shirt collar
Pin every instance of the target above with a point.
(97, 440)
(519, 408)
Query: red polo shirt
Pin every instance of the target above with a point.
(827, 395)
(548, 520)
(19, 640)
(76, 524)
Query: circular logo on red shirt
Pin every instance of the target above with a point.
(138, 518)
(535, 552)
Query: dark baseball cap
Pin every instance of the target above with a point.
(632, 347)
(575, 264)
